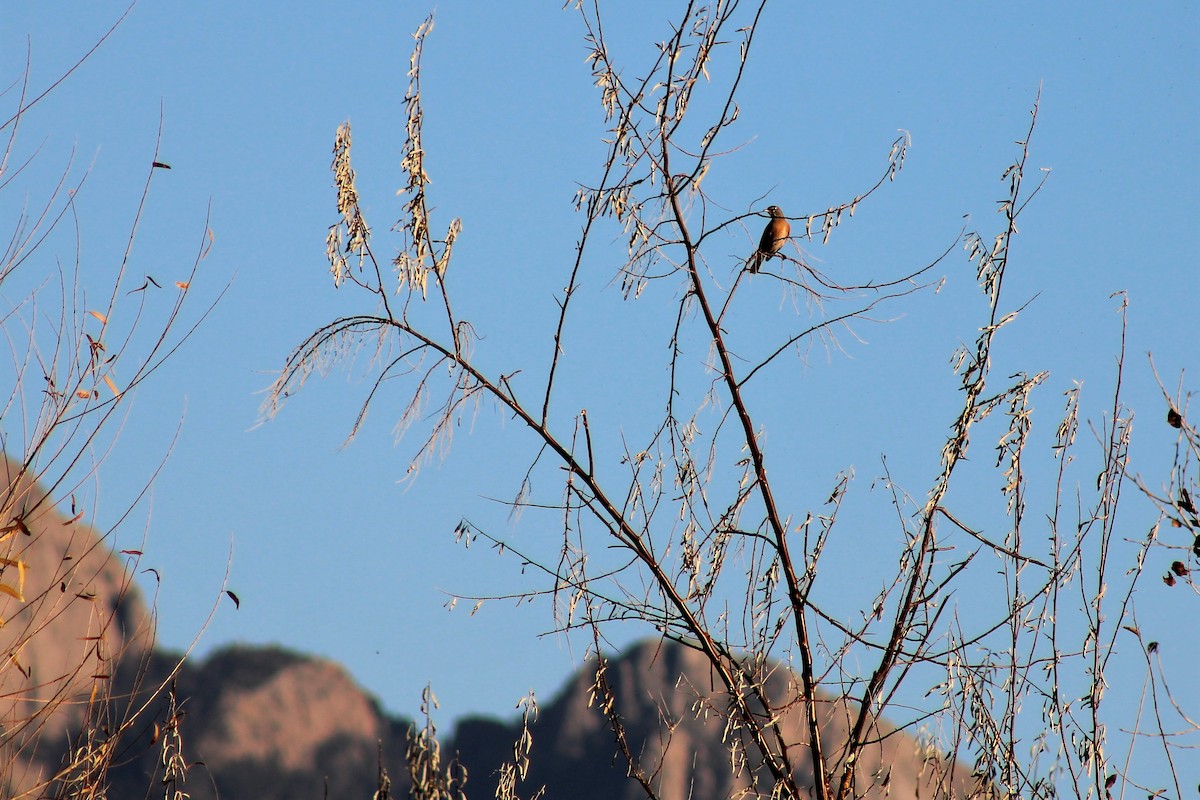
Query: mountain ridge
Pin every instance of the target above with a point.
(262, 722)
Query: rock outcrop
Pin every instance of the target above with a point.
(264, 722)
(662, 689)
(70, 615)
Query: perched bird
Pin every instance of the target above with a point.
(773, 237)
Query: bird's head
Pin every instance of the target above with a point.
(775, 211)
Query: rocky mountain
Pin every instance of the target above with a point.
(69, 612)
(256, 723)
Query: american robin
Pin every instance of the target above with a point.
(773, 237)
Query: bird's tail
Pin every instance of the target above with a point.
(754, 262)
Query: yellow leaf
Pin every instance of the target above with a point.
(112, 386)
(83, 394)
(17, 591)
(99, 316)
(182, 285)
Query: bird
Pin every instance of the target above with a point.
(773, 237)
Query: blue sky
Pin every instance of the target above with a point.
(330, 553)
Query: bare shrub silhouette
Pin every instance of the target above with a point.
(683, 530)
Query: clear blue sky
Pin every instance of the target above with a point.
(331, 555)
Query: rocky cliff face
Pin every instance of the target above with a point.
(77, 615)
(259, 722)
